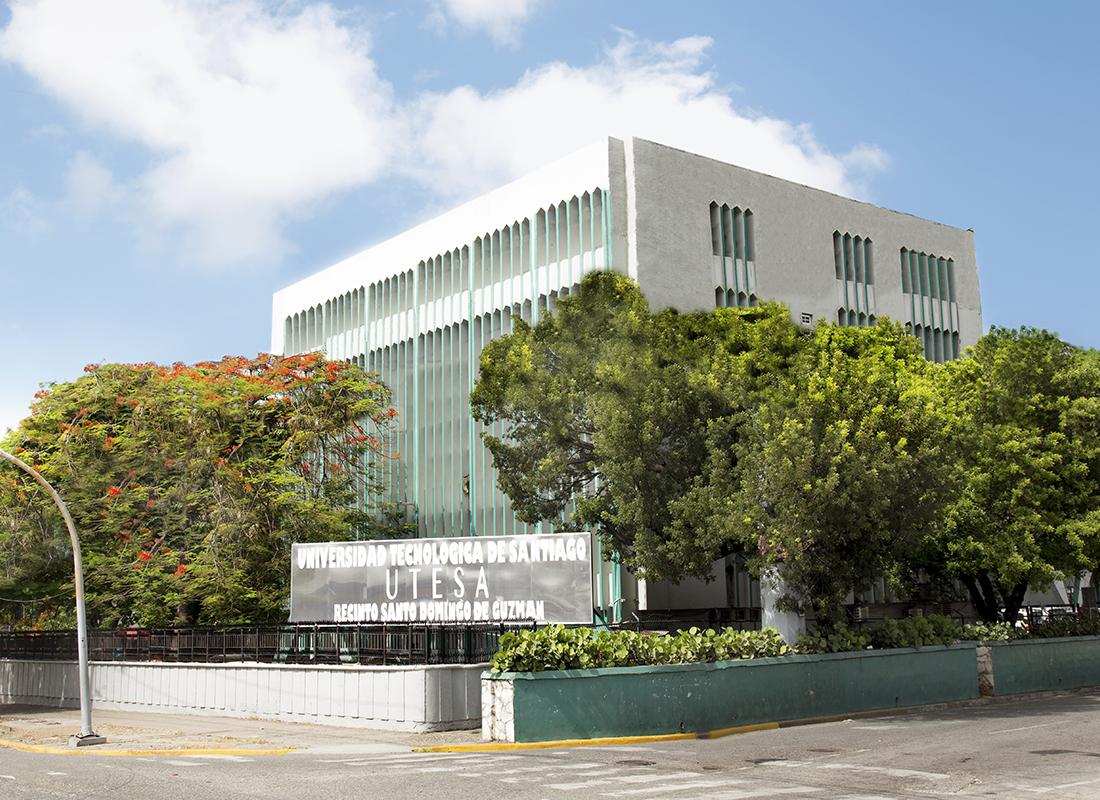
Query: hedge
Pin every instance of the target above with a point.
(557, 647)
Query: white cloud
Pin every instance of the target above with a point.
(471, 140)
(252, 114)
(867, 158)
(864, 162)
(501, 19)
(24, 211)
(90, 188)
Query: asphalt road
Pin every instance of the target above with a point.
(1037, 747)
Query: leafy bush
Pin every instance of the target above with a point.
(989, 632)
(933, 629)
(557, 647)
(915, 632)
(840, 640)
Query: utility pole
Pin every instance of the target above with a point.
(87, 736)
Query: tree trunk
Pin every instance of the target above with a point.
(187, 612)
(828, 616)
(983, 597)
(1014, 598)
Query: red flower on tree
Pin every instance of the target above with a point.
(215, 438)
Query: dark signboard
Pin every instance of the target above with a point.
(464, 580)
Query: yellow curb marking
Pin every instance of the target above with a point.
(718, 733)
(488, 746)
(97, 751)
(607, 740)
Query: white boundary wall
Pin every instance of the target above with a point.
(412, 698)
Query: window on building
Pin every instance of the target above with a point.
(928, 284)
(733, 242)
(854, 268)
(732, 232)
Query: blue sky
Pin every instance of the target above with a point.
(165, 166)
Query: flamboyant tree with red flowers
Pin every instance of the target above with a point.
(188, 484)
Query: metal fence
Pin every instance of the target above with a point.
(275, 644)
(745, 619)
(1032, 615)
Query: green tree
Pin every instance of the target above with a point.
(841, 472)
(608, 409)
(188, 485)
(1028, 427)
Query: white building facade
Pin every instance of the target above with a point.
(694, 232)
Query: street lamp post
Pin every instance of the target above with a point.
(87, 736)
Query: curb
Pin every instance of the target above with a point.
(183, 751)
(488, 747)
(718, 733)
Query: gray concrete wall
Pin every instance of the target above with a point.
(414, 698)
(794, 227)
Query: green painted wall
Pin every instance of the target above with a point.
(629, 701)
(1043, 665)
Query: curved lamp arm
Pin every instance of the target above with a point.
(81, 620)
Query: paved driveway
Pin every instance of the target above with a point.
(1037, 747)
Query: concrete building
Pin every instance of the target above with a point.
(694, 232)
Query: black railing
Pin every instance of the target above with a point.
(746, 619)
(1033, 615)
(277, 644)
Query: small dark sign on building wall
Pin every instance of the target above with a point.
(470, 579)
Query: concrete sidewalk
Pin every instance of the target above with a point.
(34, 727)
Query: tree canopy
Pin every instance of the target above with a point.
(608, 408)
(1027, 410)
(187, 485)
(842, 470)
(841, 454)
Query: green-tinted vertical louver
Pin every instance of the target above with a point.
(928, 281)
(733, 243)
(422, 331)
(855, 279)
